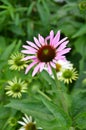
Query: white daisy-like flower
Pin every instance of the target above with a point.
(62, 65)
(28, 123)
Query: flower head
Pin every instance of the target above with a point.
(16, 61)
(62, 65)
(16, 87)
(67, 75)
(28, 124)
(45, 52)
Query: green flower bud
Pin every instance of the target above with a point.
(82, 5)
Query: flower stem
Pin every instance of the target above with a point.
(60, 93)
(43, 94)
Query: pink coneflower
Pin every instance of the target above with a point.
(44, 53)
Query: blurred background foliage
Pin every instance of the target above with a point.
(20, 20)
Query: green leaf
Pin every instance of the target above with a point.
(43, 13)
(33, 108)
(17, 30)
(82, 31)
(62, 118)
(44, 75)
(80, 45)
(8, 51)
(78, 103)
(30, 8)
(80, 120)
(3, 44)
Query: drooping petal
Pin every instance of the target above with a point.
(52, 64)
(49, 68)
(42, 66)
(31, 65)
(37, 42)
(36, 69)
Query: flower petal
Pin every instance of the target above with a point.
(49, 68)
(32, 44)
(22, 123)
(53, 64)
(42, 66)
(62, 46)
(28, 52)
(36, 69)
(37, 42)
(51, 36)
(31, 65)
(61, 41)
(41, 40)
(56, 38)
(64, 51)
(29, 48)
(29, 57)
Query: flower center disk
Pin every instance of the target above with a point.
(46, 53)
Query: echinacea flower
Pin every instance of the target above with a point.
(16, 87)
(67, 75)
(16, 61)
(45, 52)
(28, 124)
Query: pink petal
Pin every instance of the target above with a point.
(49, 68)
(32, 44)
(56, 38)
(37, 42)
(62, 46)
(41, 39)
(47, 38)
(30, 66)
(52, 64)
(64, 51)
(28, 52)
(51, 36)
(29, 57)
(42, 66)
(54, 61)
(29, 48)
(36, 69)
(60, 57)
(61, 41)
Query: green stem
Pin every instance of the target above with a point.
(60, 93)
(44, 95)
